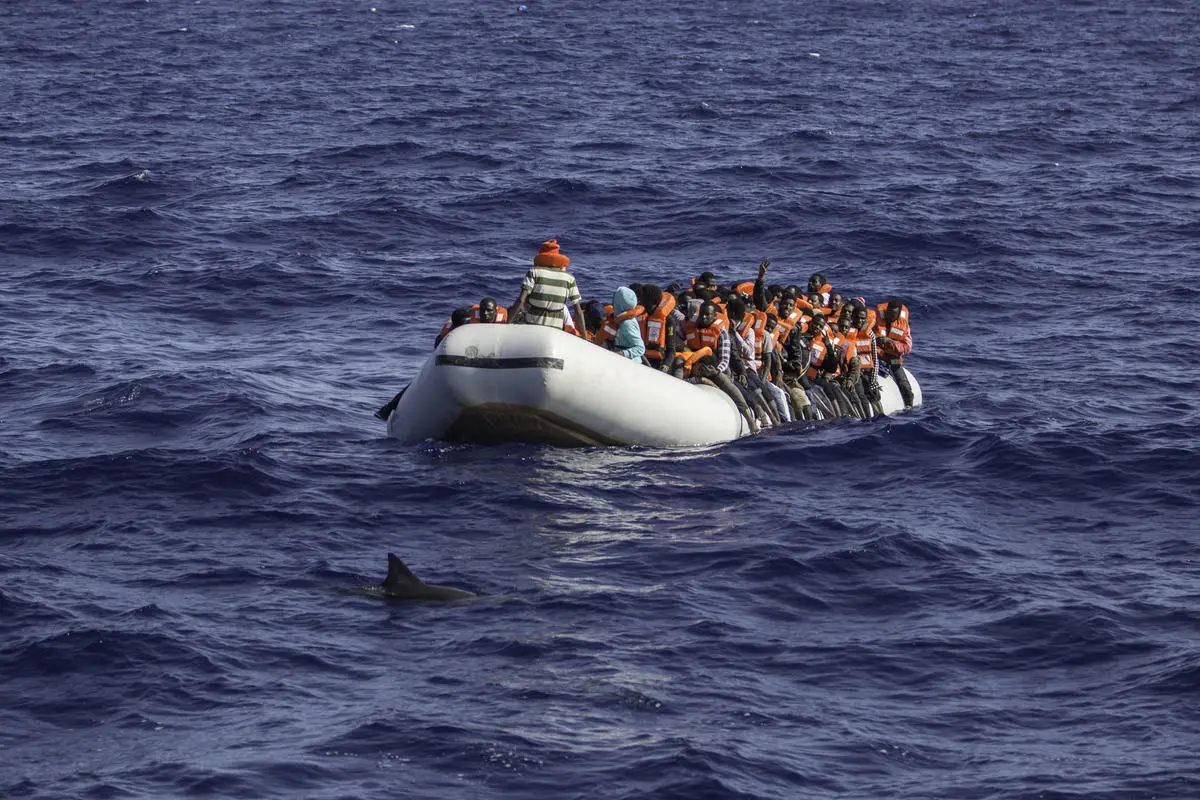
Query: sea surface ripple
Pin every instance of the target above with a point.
(229, 232)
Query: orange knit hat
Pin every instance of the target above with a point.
(548, 256)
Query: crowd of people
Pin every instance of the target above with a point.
(781, 352)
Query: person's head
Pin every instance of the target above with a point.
(593, 315)
(702, 292)
(859, 316)
(548, 256)
(487, 309)
(774, 291)
(845, 320)
(707, 314)
(817, 325)
(816, 282)
(649, 296)
(892, 312)
(624, 300)
(836, 300)
(772, 322)
(461, 316)
(736, 309)
(707, 280)
(787, 304)
(816, 300)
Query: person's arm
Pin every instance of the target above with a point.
(577, 315)
(723, 344)
(669, 328)
(760, 286)
(527, 286)
(516, 307)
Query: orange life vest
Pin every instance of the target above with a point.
(569, 325)
(818, 350)
(605, 332)
(501, 314)
(698, 337)
(897, 331)
(859, 342)
(759, 321)
(654, 327)
(786, 324)
(608, 331)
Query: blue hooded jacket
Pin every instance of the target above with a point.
(628, 341)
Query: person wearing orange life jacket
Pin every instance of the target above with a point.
(594, 315)
(627, 339)
(706, 335)
(850, 381)
(862, 334)
(782, 367)
(825, 365)
(705, 338)
(895, 342)
(485, 311)
(836, 305)
(607, 329)
(747, 345)
(789, 316)
(660, 325)
(817, 285)
(817, 303)
(548, 290)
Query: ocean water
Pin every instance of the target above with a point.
(230, 231)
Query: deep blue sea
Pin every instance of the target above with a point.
(229, 232)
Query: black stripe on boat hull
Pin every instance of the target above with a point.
(533, 362)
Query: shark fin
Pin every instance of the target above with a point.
(398, 572)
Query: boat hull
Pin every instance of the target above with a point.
(491, 384)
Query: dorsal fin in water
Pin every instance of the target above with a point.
(398, 572)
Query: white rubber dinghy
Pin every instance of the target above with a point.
(528, 383)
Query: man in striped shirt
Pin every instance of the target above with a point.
(548, 289)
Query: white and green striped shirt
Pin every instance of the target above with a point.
(550, 291)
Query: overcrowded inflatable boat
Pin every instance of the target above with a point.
(490, 384)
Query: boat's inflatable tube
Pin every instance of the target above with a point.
(529, 383)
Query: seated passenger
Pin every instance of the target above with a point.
(861, 322)
(705, 336)
(817, 285)
(824, 365)
(789, 316)
(659, 325)
(593, 318)
(850, 381)
(836, 304)
(486, 311)
(627, 340)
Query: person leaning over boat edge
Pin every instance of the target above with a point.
(547, 291)
(460, 317)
